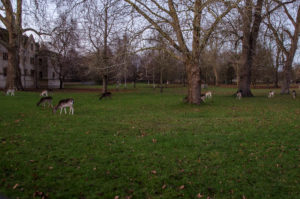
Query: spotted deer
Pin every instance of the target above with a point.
(239, 95)
(271, 94)
(208, 94)
(294, 94)
(44, 93)
(44, 101)
(10, 91)
(63, 104)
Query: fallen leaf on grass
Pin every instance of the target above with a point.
(199, 195)
(117, 197)
(154, 140)
(164, 186)
(153, 172)
(50, 168)
(181, 187)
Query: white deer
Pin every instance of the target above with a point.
(10, 91)
(239, 95)
(271, 94)
(44, 93)
(63, 104)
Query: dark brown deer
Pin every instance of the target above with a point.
(106, 94)
(44, 101)
(63, 104)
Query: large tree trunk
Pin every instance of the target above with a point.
(104, 83)
(11, 69)
(245, 73)
(250, 35)
(285, 87)
(194, 83)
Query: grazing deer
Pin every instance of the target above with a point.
(271, 94)
(294, 94)
(10, 91)
(208, 94)
(63, 104)
(44, 93)
(239, 95)
(44, 101)
(106, 94)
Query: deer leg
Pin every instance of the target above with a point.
(61, 110)
(65, 110)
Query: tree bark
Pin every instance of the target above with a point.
(104, 83)
(250, 35)
(194, 83)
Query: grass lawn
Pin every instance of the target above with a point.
(143, 144)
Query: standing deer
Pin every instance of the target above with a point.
(44, 101)
(44, 93)
(294, 94)
(239, 95)
(271, 94)
(208, 94)
(63, 104)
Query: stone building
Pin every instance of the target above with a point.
(37, 67)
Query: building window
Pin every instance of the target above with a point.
(25, 71)
(31, 60)
(5, 56)
(40, 62)
(41, 75)
(4, 72)
(53, 75)
(32, 47)
(32, 73)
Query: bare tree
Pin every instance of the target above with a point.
(101, 19)
(288, 43)
(63, 42)
(192, 23)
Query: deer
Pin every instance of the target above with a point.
(271, 94)
(63, 104)
(44, 93)
(10, 91)
(208, 94)
(239, 94)
(294, 94)
(44, 101)
(106, 94)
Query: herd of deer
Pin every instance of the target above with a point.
(62, 104)
(69, 102)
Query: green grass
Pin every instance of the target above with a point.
(143, 144)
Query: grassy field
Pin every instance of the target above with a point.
(143, 144)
